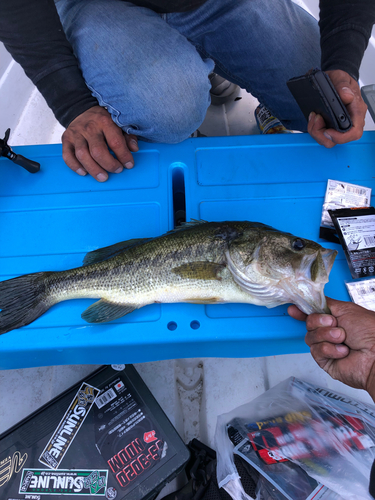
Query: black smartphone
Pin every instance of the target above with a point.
(315, 92)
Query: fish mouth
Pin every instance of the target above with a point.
(307, 292)
(306, 295)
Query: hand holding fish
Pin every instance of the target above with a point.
(86, 142)
(343, 343)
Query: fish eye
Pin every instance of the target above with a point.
(298, 244)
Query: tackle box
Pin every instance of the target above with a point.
(49, 220)
(105, 437)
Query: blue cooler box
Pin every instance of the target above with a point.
(50, 220)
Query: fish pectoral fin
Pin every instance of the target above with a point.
(103, 311)
(111, 251)
(199, 270)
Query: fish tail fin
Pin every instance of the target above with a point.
(23, 300)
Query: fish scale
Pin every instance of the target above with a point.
(202, 262)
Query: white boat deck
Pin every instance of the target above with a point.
(192, 392)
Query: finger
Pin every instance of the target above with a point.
(101, 155)
(358, 122)
(325, 334)
(339, 308)
(84, 157)
(132, 142)
(296, 313)
(70, 158)
(346, 93)
(351, 97)
(324, 352)
(317, 128)
(315, 321)
(119, 145)
(334, 303)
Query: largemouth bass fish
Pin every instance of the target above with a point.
(200, 263)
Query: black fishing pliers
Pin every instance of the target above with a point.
(5, 150)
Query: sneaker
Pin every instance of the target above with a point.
(222, 90)
(197, 133)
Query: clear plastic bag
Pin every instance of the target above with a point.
(341, 194)
(297, 431)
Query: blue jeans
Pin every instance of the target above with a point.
(151, 70)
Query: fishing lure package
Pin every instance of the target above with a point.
(356, 231)
(362, 292)
(341, 195)
(307, 442)
(106, 437)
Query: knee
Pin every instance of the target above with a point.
(183, 109)
(173, 110)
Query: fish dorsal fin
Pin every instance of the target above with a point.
(199, 270)
(194, 222)
(111, 251)
(187, 225)
(102, 311)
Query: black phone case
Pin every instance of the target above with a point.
(315, 92)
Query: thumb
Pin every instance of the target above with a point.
(346, 94)
(339, 308)
(296, 313)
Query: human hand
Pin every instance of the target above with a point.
(87, 139)
(343, 343)
(350, 94)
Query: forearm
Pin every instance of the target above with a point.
(66, 94)
(345, 28)
(31, 31)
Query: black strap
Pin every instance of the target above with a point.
(372, 481)
(202, 480)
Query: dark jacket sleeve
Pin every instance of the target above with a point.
(345, 29)
(31, 31)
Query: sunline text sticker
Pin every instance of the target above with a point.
(69, 426)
